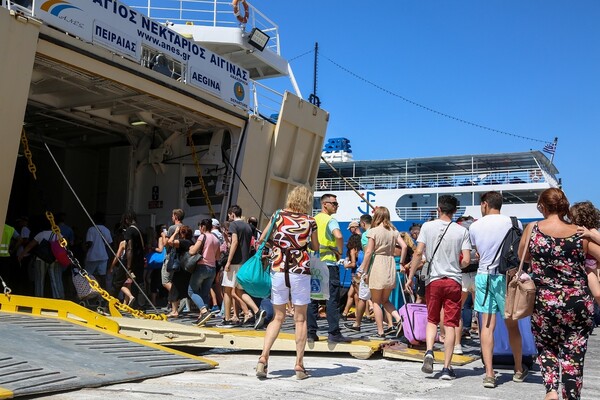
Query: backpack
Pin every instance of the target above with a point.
(508, 250)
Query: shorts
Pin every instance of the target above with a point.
(229, 276)
(496, 296)
(166, 276)
(444, 293)
(468, 281)
(420, 283)
(96, 267)
(364, 293)
(299, 289)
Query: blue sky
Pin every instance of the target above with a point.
(530, 68)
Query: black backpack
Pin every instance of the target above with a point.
(508, 250)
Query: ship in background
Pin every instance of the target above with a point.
(409, 187)
(150, 105)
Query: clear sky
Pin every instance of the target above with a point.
(530, 68)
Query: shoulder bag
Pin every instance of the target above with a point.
(427, 266)
(520, 295)
(254, 278)
(189, 262)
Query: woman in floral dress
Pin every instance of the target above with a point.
(562, 318)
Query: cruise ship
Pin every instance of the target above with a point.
(409, 187)
(150, 105)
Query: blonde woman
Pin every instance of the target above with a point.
(292, 233)
(381, 277)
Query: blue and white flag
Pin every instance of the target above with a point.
(550, 148)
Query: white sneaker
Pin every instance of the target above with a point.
(458, 349)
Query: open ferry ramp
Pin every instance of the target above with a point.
(51, 346)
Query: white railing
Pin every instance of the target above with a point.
(412, 181)
(424, 213)
(206, 13)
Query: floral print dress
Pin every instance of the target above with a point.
(562, 318)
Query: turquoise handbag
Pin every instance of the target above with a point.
(253, 277)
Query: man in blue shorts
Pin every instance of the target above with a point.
(487, 235)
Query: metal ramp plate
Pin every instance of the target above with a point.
(183, 332)
(401, 351)
(42, 354)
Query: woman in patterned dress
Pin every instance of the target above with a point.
(562, 317)
(294, 230)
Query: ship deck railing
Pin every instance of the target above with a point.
(416, 181)
(265, 102)
(206, 13)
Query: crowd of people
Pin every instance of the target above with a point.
(444, 263)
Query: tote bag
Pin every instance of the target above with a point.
(253, 276)
(520, 294)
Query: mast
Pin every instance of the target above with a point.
(313, 98)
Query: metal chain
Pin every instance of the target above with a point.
(63, 243)
(7, 290)
(199, 172)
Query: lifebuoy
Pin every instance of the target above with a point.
(236, 11)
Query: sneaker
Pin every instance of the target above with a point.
(260, 320)
(466, 334)
(398, 329)
(389, 331)
(428, 362)
(203, 318)
(312, 337)
(215, 310)
(339, 338)
(226, 324)
(458, 349)
(447, 374)
(489, 382)
(352, 327)
(520, 376)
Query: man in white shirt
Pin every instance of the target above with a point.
(96, 259)
(443, 242)
(487, 235)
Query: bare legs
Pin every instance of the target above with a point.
(382, 296)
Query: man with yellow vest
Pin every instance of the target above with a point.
(6, 262)
(331, 245)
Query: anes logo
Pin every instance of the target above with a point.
(55, 7)
(238, 90)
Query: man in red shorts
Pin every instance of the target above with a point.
(442, 241)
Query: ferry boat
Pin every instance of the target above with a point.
(150, 105)
(409, 187)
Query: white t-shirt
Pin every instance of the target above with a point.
(97, 251)
(487, 234)
(446, 263)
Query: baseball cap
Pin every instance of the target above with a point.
(197, 233)
(215, 222)
(353, 224)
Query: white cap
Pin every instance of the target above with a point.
(216, 223)
(197, 233)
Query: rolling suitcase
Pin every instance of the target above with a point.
(414, 321)
(502, 354)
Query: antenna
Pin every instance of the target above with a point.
(313, 98)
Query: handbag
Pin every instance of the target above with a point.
(254, 278)
(156, 259)
(59, 252)
(43, 251)
(520, 295)
(189, 262)
(319, 278)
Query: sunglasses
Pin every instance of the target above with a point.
(334, 203)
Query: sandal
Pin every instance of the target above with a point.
(301, 373)
(261, 368)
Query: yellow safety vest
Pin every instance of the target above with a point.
(327, 247)
(6, 238)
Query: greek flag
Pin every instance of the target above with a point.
(550, 148)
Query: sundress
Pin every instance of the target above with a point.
(562, 318)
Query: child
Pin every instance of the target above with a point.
(587, 218)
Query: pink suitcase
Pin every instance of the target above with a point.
(414, 322)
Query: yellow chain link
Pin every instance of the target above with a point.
(199, 172)
(63, 243)
(28, 155)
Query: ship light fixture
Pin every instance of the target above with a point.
(136, 121)
(258, 39)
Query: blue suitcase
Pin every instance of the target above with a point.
(502, 354)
